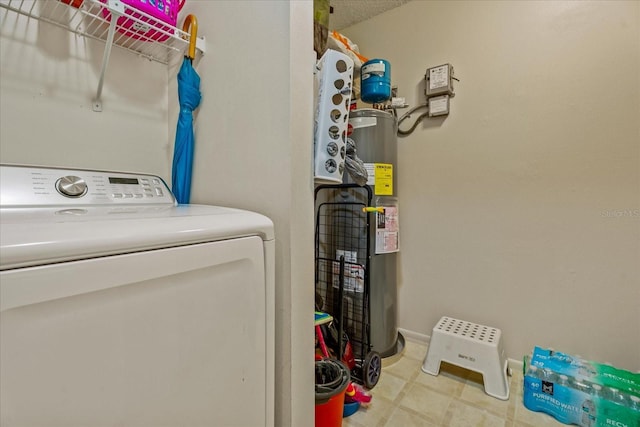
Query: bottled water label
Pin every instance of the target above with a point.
(575, 398)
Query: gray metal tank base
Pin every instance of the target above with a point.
(396, 353)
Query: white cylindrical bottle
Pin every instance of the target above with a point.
(616, 396)
(548, 375)
(581, 386)
(532, 371)
(563, 380)
(589, 407)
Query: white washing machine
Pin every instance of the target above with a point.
(120, 308)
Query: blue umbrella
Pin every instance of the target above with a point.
(189, 97)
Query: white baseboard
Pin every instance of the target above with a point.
(414, 336)
(515, 364)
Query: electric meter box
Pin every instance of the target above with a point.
(438, 80)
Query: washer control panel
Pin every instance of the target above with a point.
(41, 186)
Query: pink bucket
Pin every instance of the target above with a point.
(145, 28)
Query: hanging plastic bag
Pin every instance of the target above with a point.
(341, 43)
(355, 166)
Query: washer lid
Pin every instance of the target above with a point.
(38, 236)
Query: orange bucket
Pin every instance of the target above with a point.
(332, 379)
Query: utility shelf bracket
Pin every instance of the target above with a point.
(117, 10)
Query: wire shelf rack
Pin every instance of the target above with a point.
(90, 20)
(158, 41)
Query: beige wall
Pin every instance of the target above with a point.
(48, 79)
(521, 210)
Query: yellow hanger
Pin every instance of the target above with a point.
(191, 26)
(373, 209)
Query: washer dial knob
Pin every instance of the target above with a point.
(71, 186)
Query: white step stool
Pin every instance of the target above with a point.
(471, 346)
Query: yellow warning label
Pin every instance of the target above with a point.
(384, 179)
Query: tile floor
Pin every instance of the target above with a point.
(406, 397)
